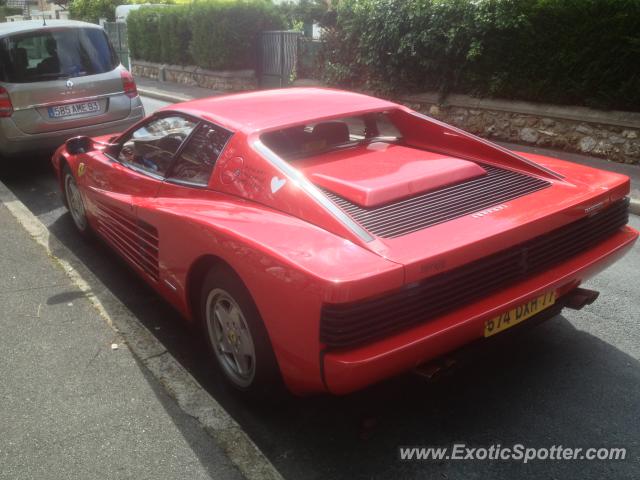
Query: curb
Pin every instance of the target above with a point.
(165, 97)
(634, 206)
(180, 385)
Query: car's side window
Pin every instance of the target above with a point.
(151, 147)
(196, 160)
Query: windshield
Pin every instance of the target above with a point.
(55, 53)
(319, 137)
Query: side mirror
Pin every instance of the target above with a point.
(81, 144)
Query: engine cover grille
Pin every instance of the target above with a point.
(400, 218)
(343, 325)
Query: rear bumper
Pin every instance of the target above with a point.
(14, 142)
(345, 371)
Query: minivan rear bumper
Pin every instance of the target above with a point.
(13, 141)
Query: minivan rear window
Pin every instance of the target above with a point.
(51, 54)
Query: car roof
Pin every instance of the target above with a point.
(9, 28)
(269, 109)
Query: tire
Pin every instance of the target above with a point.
(237, 338)
(74, 203)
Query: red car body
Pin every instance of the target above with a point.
(300, 235)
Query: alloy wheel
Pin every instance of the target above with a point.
(230, 337)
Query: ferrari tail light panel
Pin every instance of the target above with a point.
(352, 324)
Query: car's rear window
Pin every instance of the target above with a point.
(319, 137)
(55, 53)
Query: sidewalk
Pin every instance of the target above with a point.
(72, 405)
(174, 92)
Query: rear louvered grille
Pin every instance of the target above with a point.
(431, 208)
(359, 322)
(136, 240)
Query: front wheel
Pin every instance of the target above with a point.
(237, 336)
(74, 202)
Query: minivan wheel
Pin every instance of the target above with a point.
(237, 337)
(74, 202)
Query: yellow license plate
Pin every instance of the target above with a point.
(519, 314)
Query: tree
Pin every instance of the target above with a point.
(64, 4)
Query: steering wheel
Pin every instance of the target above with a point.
(171, 142)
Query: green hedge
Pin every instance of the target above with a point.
(583, 52)
(216, 34)
(8, 11)
(144, 34)
(174, 23)
(93, 10)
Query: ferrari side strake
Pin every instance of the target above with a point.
(326, 240)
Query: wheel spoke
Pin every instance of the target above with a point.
(222, 316)
(245, 345)
(221, 330)
(224, 346)
(242, 362)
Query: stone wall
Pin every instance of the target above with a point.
(226, 81)
(608, 134)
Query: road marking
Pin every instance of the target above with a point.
(192, 399)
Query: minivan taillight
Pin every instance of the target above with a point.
(6, 107)
(129, 84)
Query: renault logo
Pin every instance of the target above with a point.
(69, 84)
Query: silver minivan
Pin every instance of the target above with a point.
(59, 80)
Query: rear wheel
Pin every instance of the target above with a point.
(74, 202)
(236, 335)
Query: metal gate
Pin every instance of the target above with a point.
(117, 32)
(277, 59)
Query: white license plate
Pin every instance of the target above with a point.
(73, 109)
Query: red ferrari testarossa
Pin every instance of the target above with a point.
(328, 240)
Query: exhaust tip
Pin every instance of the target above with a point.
(435, 368)
(578, 298)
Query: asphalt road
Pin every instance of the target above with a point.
(573, 381)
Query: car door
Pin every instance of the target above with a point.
(186, 182)
(127, 176)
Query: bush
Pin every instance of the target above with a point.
(174, 25)
(214, 34)
(225, 34)
(560, 51)
(143, 33)
(93, 10)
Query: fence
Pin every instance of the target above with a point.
(278, 51)
(117, 32)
